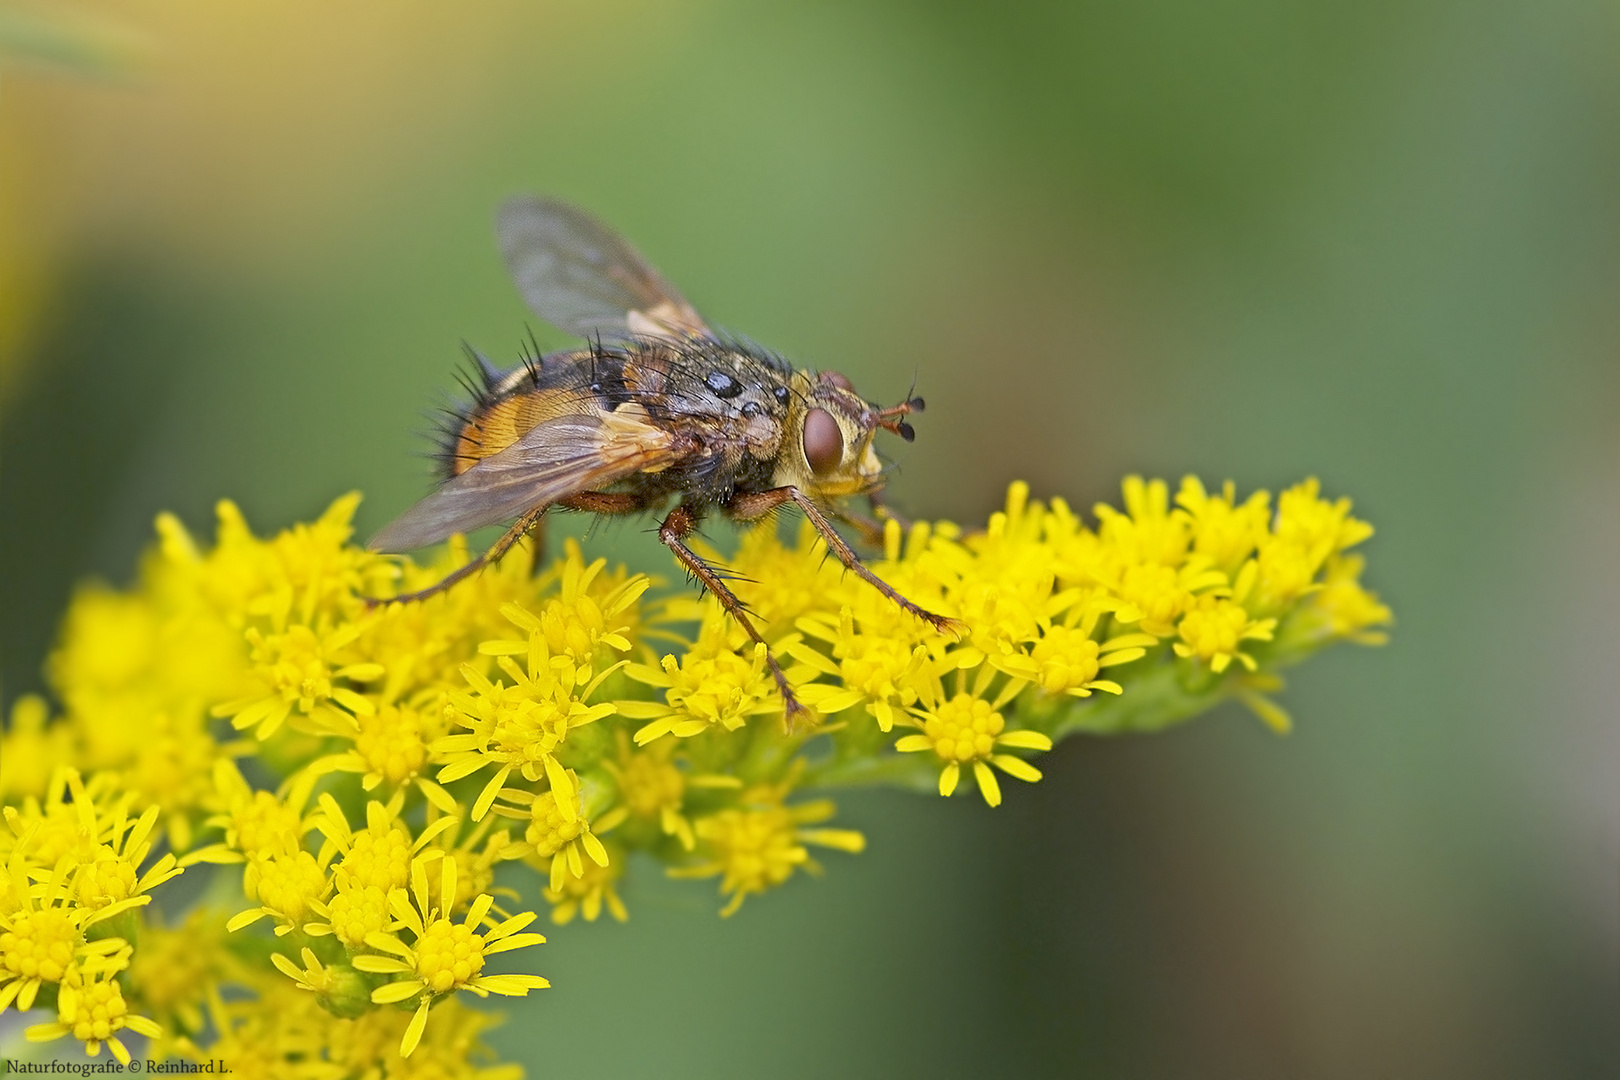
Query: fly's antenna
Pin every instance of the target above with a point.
(890, 419)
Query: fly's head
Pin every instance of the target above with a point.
(829, 451)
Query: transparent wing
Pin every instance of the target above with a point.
(581, 276)
(552, 461)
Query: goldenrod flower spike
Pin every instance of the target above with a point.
(392, 757)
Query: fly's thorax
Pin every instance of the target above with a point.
(737, 401)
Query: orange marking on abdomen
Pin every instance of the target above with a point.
(493, 427)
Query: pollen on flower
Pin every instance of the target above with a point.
(100, 1008)
(105, 879)
(1148, 532)
(874, 665)
(560, 833)
(1349, 610)
(475, 870)
(261, 824)
(785, 582)
(1286, 571)
(1224, 530)
(755, 849)
(1156, 590)
(591, 609)
(93, 1011)
(302, 672)
(521, 727)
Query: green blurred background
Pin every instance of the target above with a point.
(1255, 239)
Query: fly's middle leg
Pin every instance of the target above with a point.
(673, 532)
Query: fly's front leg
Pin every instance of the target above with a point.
(496, 550)
(673, 532)
(840, 547)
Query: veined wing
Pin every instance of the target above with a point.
(553, 460)
(581, 276)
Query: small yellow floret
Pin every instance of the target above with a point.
(1215, 629)
(760, 846)
(286, 884)
(354, 913)
(380, 858)
(390, 744)
(448, 955)
(38, 945)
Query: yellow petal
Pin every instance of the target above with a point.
(1024, 740)
(413, 1033)
(388, 993)
(988, 787)
(380, 965)
(1016, 767)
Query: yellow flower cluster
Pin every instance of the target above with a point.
(360, 770)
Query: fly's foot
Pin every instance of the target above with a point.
(944, 624)
(796, 718)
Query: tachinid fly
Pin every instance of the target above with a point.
(657, 405)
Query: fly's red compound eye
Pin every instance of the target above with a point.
(834, 379)
(823, 442)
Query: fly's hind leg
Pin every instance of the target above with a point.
(496, 550)
(604, 502)
(673, 532)
(599, 502)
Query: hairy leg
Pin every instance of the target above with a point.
(673, 532)
(496, 550)
(756, 504)
(598, 502)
